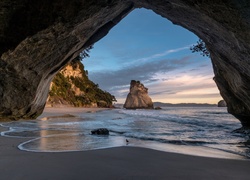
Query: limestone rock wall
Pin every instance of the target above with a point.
(138, 97)
(224, 27)
(51, 34)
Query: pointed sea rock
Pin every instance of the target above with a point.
(138, 97)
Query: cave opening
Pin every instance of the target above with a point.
(146, 47)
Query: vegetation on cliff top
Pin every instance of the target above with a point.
(71, 86)
(200, 47)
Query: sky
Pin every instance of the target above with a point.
(146, 47)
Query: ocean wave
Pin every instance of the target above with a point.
(199, 120)
(177, 127)
(168, 141)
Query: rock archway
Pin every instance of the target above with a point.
(38, 38)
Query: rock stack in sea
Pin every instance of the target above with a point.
(222, 103)
(138, 97)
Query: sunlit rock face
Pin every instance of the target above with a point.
(38, 37)
(138, 97)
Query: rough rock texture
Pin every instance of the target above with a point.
(222, 103)
(224, 27)
(138, 97)
(72, 87)
(38, 37)
(48, 36)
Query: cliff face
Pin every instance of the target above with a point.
(72, 87)
(38, 38)
(138, 97)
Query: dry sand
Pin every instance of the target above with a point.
(113, 163)
(48, 112)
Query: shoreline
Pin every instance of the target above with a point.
(74, 111)
(114, 163)
(125, 162)
(57, 112)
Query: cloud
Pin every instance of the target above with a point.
(182, 88)
(109, 80)
(169, 80)
(157, 55)
(179, 88)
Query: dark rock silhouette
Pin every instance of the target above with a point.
(100, 131)
(222, 103)
(138, 97)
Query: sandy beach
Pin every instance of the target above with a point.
(74, 111)
(112, 163)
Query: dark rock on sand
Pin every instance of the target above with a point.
(100, 131)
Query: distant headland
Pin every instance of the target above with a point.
(161, 104)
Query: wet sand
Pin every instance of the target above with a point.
(112, 163)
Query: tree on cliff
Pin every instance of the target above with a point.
(200, 47)
(71, 86)
(83, 54)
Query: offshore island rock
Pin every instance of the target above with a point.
(222, 103)
(138, 97)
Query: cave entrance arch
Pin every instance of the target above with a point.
(157, 53)
(49, 38)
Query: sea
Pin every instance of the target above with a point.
(199, 131)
